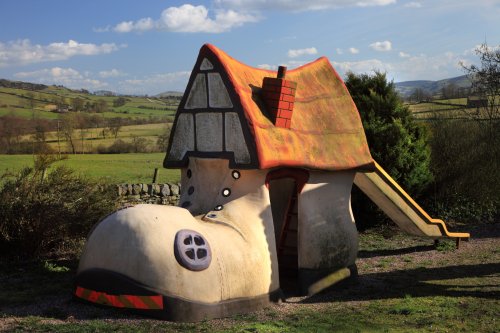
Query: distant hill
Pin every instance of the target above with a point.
(169, 94)
(22, 85)
(31, 100)
(104, 93)
(406, 88)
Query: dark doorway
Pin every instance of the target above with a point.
(285, 186)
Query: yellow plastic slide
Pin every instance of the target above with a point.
(400, 207)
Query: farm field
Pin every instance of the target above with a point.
(16, 101)
(450, 107)
(115, 168)
(445, 108)
(89, 139)
(404, 285)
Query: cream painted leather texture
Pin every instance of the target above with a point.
(232, 214)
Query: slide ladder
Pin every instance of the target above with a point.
(287, 244)
(400, 207)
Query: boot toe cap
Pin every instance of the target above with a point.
(163, 248)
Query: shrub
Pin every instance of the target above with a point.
(118, 147)
(465, 161)
(137, 145)
(396, 141)
(41, 211)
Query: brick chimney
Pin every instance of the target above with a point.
(279, 96)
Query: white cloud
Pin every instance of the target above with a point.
(141, 25)
(339, 51)
(267, 66)
(420, 67)
(295, 63)
(75, 79)
(111, 73)
(67, 77)
(473, 51)
(382, 46)
(103, 29)
(22, 52)
(363, 66)
(413, 4)
(299, 5)
(291, 64)
(404, 55)
(189, 18)
(434, 67)
(353, 50)
(294, 53)
(156, 83)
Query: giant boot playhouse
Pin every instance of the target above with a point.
(267, 164)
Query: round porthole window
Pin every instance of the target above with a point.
(190, 190)
(226, 192)
(189, 173)
(192, 250)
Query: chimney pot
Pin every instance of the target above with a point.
(281, 72)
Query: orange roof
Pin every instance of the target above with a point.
(326, 130)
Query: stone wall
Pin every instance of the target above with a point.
(163, 194)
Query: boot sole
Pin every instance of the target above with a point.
(111, 289)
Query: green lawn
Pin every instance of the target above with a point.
(117, 168)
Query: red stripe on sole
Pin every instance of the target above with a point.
(120, 301)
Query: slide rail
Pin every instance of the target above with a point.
(414, 206)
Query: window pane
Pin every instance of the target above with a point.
(183, 140)
(218, 96)
(209, 132)
(197, 98)
(235, 141)
(206, 65)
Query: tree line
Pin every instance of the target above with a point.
(26, 136)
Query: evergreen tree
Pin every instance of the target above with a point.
(396, 141)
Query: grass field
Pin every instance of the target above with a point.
(17, 102)
(446, 108)
(92, 137)
(115, 168)
(404, 285)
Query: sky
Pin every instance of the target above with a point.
(150, 46)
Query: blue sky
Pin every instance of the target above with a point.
(147, 47)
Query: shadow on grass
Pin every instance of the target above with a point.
(395, 252)
(418, 282)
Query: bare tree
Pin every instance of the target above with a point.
(11, 130)
(77, 104)
(114, 126)
(420, 95)
(449, 91)
(68, 126)
(485, 80)
(40, 137)
(162, 141)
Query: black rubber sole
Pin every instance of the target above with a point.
(172, 308)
